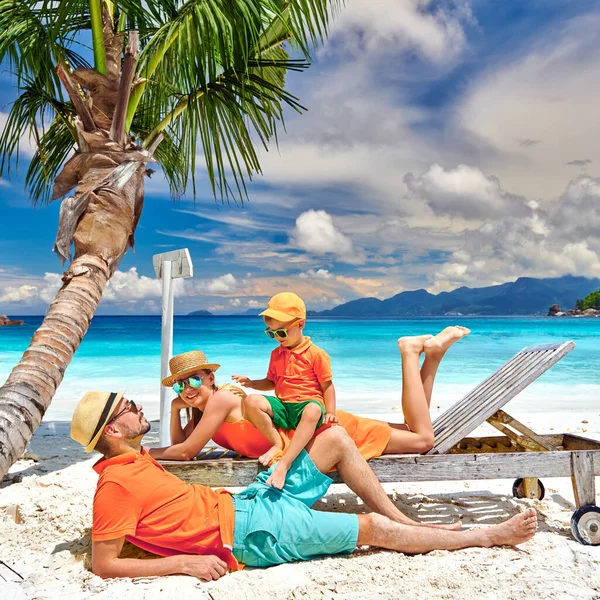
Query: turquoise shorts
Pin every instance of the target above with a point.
(275, 526)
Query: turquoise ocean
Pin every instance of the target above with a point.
(123, 353)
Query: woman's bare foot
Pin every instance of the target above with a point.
(413, 344)
(437, 345)
(267, 457)
(517, 530)
(277, 477)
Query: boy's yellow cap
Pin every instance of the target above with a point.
(285, 307)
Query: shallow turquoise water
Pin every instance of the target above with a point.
(124, 353)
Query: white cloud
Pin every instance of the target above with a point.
(226, 284)
(124, 287)
(318, 274)
(316, 233)
(464, 191)
(129, 286)
(22, 294)
(437, 36)
(31, 293)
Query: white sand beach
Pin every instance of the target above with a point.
(45, 520)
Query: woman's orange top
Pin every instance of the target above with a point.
(242, 437)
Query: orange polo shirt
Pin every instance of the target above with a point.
(153, 509)
(299, 372)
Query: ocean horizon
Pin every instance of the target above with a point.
(123, 352)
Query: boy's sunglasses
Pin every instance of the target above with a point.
(280, 333)
(194, 382)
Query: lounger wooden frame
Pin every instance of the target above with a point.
(520, 453)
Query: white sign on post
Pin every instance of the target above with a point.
(168, 266)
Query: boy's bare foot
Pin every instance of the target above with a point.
(412, 344)
(437, 345)
(517, 530)
(267, 457)
(277, 477)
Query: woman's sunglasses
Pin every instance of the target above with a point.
(194, 382)
(280, 333)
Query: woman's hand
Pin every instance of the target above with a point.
(242, 380)
(178, 404)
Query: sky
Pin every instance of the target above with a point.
(446, 144)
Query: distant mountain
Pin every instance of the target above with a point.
(200, 313)
(524, 296)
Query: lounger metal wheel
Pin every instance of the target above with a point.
(585, 525)
(519, 490)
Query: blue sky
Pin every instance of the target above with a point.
(445, 144)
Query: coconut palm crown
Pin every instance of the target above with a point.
(170, 80)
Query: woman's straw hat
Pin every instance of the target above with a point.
(91, 415)
(186, 364)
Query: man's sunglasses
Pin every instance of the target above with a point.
(280, 333)
(194, 382)
(131, 406)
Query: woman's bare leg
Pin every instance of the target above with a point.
(414, 392)
(418, 436)
(435, 348)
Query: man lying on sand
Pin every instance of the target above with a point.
(203, 532)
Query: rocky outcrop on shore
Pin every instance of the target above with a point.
(554, 311)
(4, 320)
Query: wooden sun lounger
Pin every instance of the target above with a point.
(520, 453)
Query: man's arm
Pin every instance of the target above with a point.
(262, 385)
(107, 564)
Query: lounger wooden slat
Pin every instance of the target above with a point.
(494, 385)
(493, 393)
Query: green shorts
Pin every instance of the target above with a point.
(275, 526)
(287, 415)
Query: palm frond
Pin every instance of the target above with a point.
(224, 117)
(35, 36)
(53, 149)
(29, 116)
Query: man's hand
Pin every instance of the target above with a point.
(329, 418)
(206, 568)
(242, 380)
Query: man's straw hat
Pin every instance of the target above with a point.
(186, 364)
(91, 415)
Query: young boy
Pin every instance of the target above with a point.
(300, 373)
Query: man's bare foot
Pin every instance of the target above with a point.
(437, 345)
(413, 344)
(267, 457)
(277, 477)
(517, 530)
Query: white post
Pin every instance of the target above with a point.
(166, 351)
(168, 266)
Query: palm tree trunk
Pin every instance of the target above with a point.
(100, 220)
(29, 389)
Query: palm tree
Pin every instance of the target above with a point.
(169, 76)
